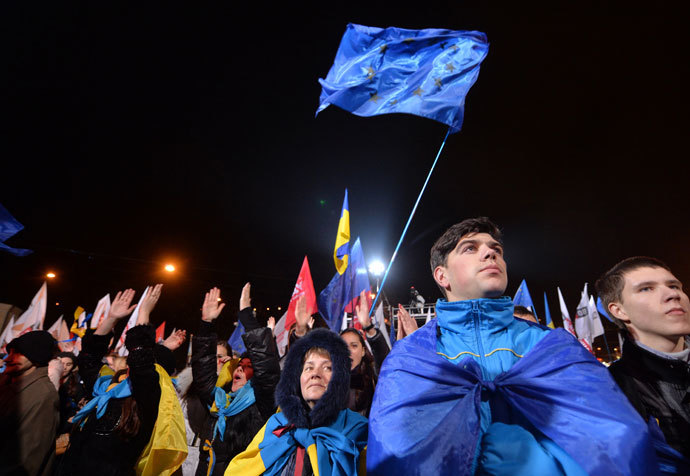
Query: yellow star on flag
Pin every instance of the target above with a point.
(370, 72)
(450, 67)
(418, 92)
(437, 82)
(454, 48)
(383, 49)
(393, 102)
(374, 97)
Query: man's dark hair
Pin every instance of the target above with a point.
(610, 285)
(522, 311)
(225, 344)
(449, 240)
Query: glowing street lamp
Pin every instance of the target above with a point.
(50, 275)
(169, 268)
(377, 268)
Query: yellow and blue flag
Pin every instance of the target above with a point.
(549, 322)
(341, 252)
(423, 72)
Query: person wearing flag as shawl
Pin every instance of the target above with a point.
(134, 422)
(476, 391)
(240, 398)
(314, 433)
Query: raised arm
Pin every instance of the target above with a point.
(204, 348)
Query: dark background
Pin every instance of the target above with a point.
(135, 135)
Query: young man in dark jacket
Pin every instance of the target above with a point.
(240, 406)
(647, 301)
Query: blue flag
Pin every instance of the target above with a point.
(423, 72)
(549, 322)
(602, 311)
(522, 298)
(343, 288)
(8, 228)
(235, 341)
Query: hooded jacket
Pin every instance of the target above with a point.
(328, 436)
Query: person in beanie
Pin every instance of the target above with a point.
(315, 432)
(29, 407)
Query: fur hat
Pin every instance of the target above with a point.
(289, 393)
(37, 346)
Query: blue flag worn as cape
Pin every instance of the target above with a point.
(423, 72)
(425, 418)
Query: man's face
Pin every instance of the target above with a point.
(653, 305)
(16, 363)
(474, 269)
(316, 374)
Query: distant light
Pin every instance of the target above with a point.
(268, 308)
(598, 348)
(254, 309)
(57, 303)
(219, 299)
(169, 268)
(50, 275)
(372, 295)
(615, 349)
(377, 268)
(279, 308)
(322, 202)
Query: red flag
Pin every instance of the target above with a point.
(303, 287)
(160, 332)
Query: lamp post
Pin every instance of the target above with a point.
(377, 268)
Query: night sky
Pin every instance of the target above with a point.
(133, 136)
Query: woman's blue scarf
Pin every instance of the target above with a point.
(101, 397)
(229, 404)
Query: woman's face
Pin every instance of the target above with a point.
(67, 365)
(356, 348)
(316, 374)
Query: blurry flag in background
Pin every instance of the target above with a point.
(341, 252)
(9, 227)
(523, 298)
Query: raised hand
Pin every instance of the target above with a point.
(245, 299)
(121, 305)
(362, 312)
(271, 323)
(175, 339)
(211, 309)
(147, 304)
(407, 322)
(303, 319)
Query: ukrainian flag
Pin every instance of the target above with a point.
(341, 252)
(549, 322)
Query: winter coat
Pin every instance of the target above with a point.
(328, 436)
(29, 417)
(240, 428)
(658, 388)
(97, 447)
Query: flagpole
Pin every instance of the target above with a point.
(414, 209)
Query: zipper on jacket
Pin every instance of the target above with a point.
(480, 348)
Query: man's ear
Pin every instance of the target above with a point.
(441, 277)
(616, 310)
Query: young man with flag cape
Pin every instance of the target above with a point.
(476, 391)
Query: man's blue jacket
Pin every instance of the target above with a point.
(477, 391)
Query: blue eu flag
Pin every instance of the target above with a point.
(235, 341)
(8, 228)
(423, 72)
(523, 298)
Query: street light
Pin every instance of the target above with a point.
(169, 268)
(377, 268)
(50, 275)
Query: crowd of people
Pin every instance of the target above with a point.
(481, 389)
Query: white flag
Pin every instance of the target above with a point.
(596, 325)
(102, 309)
(120, 347)
(582, 322)
(8, 334)
(281, 334)
(55, 328)
(33, 317)
(567, 323)
(380, 323)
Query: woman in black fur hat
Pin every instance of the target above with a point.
(314, 427)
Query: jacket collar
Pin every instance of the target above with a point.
(491, 314)
(25, 380)
(669, 370)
